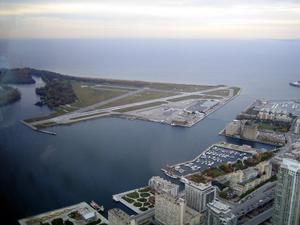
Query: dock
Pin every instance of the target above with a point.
(36, 129)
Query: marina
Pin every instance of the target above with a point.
(214, 156)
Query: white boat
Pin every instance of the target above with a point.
(295, 83)
(96, 206)
(169, 174)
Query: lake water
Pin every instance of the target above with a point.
(95, 159)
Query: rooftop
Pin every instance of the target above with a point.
(177, 200)
(200, 186)
(120, 214)
(163, 181)
(219, 207)
(291, 164)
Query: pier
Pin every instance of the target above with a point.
(36, 129)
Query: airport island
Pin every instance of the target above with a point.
(75, 99)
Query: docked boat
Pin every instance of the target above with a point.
(169, 174)
(96, 206)
(295, 83)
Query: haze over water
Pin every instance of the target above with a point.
(98, 158)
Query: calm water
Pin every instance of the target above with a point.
(95, 159)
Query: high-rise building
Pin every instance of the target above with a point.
(233, 128)
(287, 196)
(118, 217)
(219, 213)
(297, 127)
(197, 195)
(161, 185)
(169, 210)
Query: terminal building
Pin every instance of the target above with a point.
(220, 214)
(287, 197)
(159, 184)
(197, 195)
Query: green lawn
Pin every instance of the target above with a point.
(137, 204)
(89, 96)
(273, 127)
(140, 198)
(198, 178)
(143, 209)
(129, 200)
(134, 195)
(214, 172)
(145, 195)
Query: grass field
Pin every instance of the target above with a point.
(223, 93)
(142, 96)
(89, 96)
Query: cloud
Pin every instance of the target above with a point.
(136, 18)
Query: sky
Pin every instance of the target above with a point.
(242, 19)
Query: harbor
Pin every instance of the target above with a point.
(213, 156)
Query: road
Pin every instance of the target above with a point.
(260, 218)
(257, 198)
